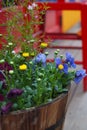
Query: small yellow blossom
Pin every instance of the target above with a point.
(60, 66)
(25, 54)
(43, 45)
(23, 67)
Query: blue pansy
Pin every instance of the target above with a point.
(41, 58)
(70, 60)
(80, 74)
(58, 61)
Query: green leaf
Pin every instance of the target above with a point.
(1, 83)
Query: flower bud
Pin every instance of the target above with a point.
(11, 71)
(56, 52)
(2, 61)
(10, 43)
(0, 35)
(31, 62)
(46, 53)
(61, 56)
(32, 40)
(11, 62)
(39, 79)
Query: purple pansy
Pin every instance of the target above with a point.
(5, 109)
(14, 93)
(41, 58)
(58, 61)
(1, 76)
(70, 60)
(5, 66)
(4, 85)
(80, 74)
(1, 98)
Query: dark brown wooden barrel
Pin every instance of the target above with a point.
(46, 117)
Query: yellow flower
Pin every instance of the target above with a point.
(25, 54)
(23, 67)
(43, 45)
(60, 67)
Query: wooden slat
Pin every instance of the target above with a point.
(44, 117)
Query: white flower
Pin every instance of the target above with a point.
(13, 52)
(34, 5)
(10, 43)
(30, 7)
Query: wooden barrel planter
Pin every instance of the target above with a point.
(46, 117)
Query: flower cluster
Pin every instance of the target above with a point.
(26, 83)
(26, 78)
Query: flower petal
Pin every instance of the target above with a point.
(5, 109)
(80, 74)
(14, 93)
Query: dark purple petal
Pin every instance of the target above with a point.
(1, 98)
(5, 66)
(80, 74)
(2, 79)
(5, 109)
(14, 93)
(4, 85)
(1, 76)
